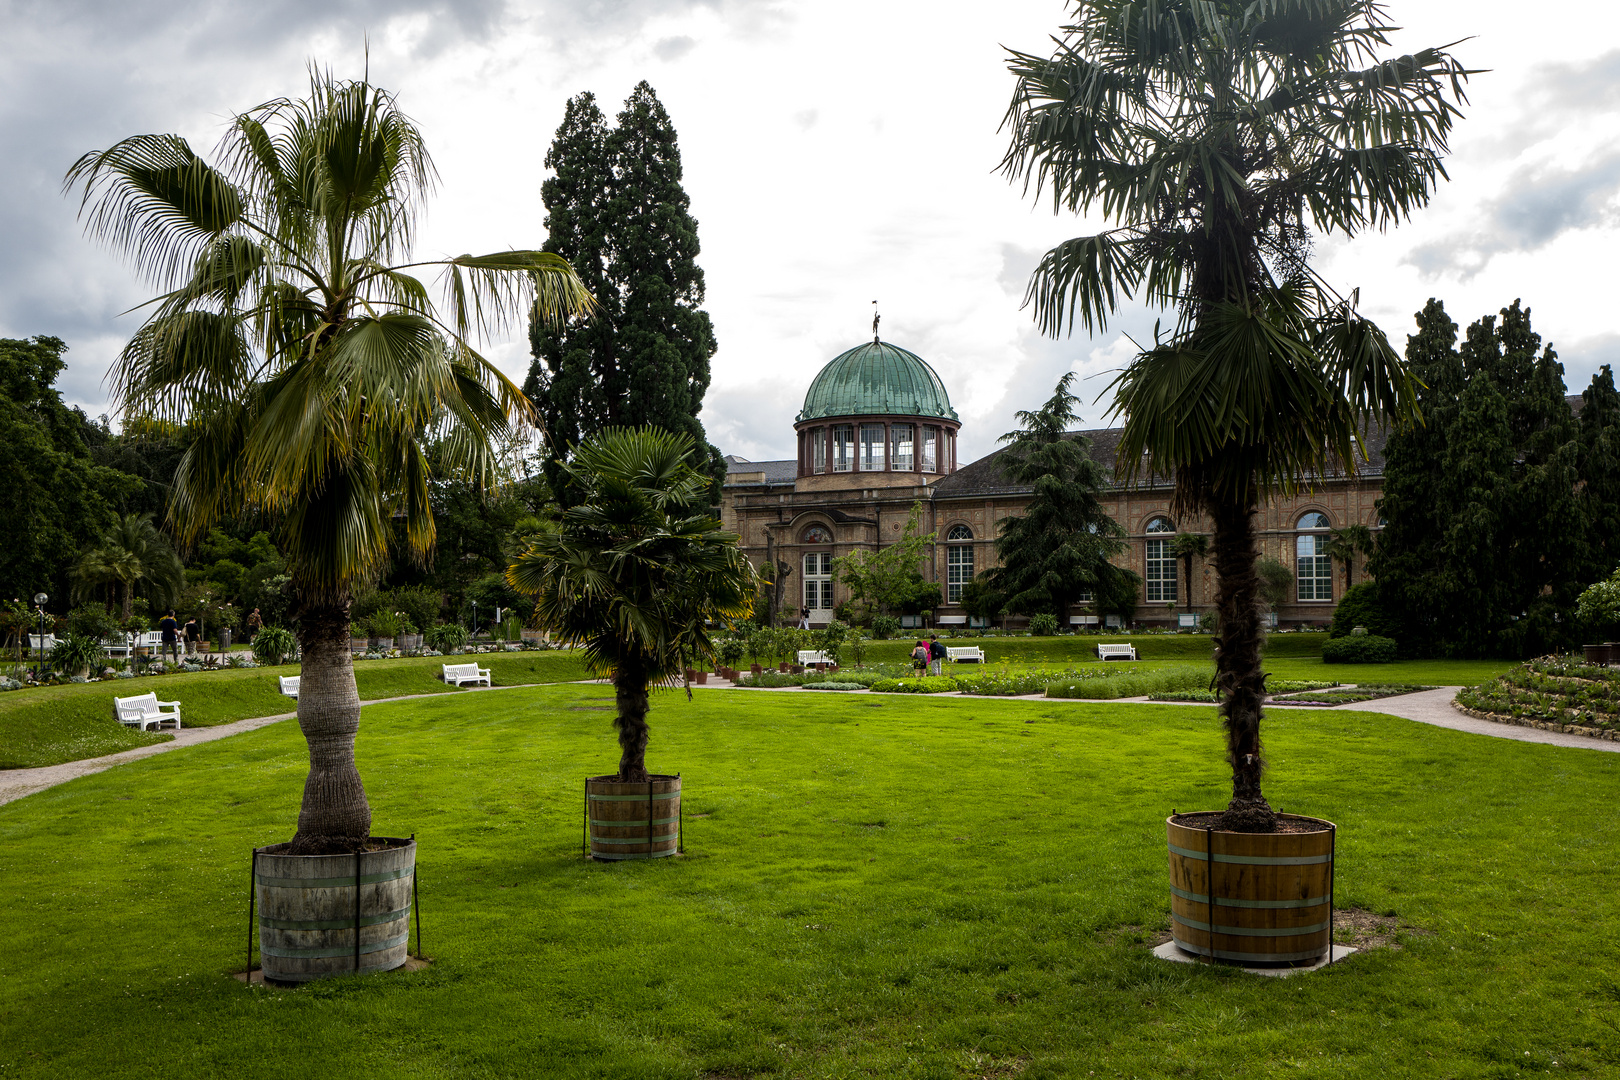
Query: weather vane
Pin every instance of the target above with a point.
(876, 318)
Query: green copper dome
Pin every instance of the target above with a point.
(876, 379)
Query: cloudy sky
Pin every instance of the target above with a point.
(835, 152)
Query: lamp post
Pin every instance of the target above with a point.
(39, 602)
(475, 622)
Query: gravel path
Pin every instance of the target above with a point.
(1425, 707)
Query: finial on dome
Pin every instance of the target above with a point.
(875, 319)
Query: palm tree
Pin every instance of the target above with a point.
(1187, 547)
(1344, 544)
(1217, 134)
(130, 554)
(637, 571)
(310, 364)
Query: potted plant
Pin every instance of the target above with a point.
(1268, 376)
(297, 325)
(633, 576)
(1599, 609)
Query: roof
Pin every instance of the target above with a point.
(985, 476)
(742, 471)
(876, 379)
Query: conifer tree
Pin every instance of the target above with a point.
(617, 211)
(1060, 547)
(1598, 467)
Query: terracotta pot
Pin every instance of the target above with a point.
(702, 678)
(785, 667)
(756, 669)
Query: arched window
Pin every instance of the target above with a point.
(958, 562)
(1159, 563)
(816, 534)
(1313, 567)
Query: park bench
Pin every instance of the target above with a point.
(466, 673)
(811, 658)
(41, 642)
(958, 653)
(289, 685)
(144, 710)
(1116, 652)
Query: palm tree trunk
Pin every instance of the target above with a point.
(630, 692)
(335, 817)
(1238, 670)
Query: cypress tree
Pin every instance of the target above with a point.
(1598, 469)
(617, 211)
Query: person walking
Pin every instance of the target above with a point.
(255, 623)
(936, 654)
(169, 627)
(919, 658)
(193, 634)
(804, 618)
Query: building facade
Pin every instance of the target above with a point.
(877, 435)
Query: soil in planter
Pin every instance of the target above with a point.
(1211, 819)
(337, 845)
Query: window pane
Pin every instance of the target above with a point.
(873, 439)
(818, 450)
(902, 446)
(930, 449)
(1160, 525)
(826, 596)
(1159, 576)
(1313, 569)
(959, 532)
(958, 571)
(843, 448)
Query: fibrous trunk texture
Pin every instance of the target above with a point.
(335, 817)
(1238, 671)
(630, 693)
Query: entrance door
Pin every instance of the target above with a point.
(818, 586)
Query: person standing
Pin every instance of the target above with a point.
(919, 657)
(936, 654)
(169, 627)
(193, 635)
(255, 623)
(804, 618)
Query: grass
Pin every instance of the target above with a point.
(52, 724)
(875, 886)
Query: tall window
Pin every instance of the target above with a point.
(1159, 569)
(930, 449)
(958, 562)
(902, 435)
(818, 450)
(818, 581)
(873, 438)
(843, 448)
(1313, 568)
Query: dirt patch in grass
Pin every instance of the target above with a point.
(1363, 929)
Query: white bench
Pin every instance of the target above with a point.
(41, 642)
(952, 620)
(811, 658)
(958, 653)
(289, 685)
(145, 710)
(1083, 620)
(466, 673)
(1116, 652)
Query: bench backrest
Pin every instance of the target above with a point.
(460, 669)
(289, 684)
(1115, 650)
(956, 651)
(139, 701)
(810, 656)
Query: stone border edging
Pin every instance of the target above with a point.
(1539, 725)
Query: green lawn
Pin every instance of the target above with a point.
(875, 886)
(51, 724)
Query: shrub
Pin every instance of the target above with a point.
(1368, 649)
(1043, 624)
(92, 621)
(1362, 606)
(925, 684)
(77, 653)
(272, 645)
(731, 651)
(832, 686)
(446, 636)
(885, 627)
(1108, 684)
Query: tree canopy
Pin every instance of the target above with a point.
(615, 208)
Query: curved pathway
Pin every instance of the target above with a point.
(1425, 707)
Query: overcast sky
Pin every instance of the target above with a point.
(835, 152)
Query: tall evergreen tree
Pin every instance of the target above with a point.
(616, 210)
(1598, 467)
(1060, 547)
(1486, 524)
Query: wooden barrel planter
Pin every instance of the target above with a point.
(1597, 654)
(1271, 904)
(636, 820)
(326, 915)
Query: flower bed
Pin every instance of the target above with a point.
(1551, 689)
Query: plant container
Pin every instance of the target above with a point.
(1598, 654)
(1271, 904)
(325, 915)
(756, 669)
(638, 819)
